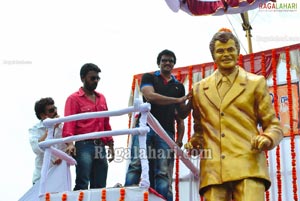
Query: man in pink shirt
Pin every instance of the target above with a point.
(92, 166)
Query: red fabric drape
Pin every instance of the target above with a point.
(198, 7)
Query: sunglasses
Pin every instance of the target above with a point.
(167, 60)
(93, 78)
(51, 110)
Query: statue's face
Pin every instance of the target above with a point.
(225, 55)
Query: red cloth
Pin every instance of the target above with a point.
(78, 103)
(204, 8)
(153, 191)
(220, 7)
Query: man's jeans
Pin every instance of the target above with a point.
(91, 165)
(160, 159)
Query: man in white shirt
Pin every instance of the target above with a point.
(44, 108)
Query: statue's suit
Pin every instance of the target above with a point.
(227, 126)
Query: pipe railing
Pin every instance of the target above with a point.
(142, 130)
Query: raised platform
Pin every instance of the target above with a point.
(106, 194)
(59, 184)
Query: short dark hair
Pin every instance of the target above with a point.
(223, 37)
(88, 67)
(40, 106)
(165, 52)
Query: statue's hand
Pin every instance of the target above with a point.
(261, 143)
(194, 146)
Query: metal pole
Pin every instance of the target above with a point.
(247, 27)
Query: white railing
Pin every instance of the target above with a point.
(146, 117)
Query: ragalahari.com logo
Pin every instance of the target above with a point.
(282, 6)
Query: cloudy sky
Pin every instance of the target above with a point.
(43, 44)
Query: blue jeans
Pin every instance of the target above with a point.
(91, 165)
(160, 159)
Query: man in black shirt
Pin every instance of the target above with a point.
(167, 97)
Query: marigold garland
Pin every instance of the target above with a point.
(190, 85)
(275, 87)
(278, 173)
(122, 194)
(263, 64)
(177, 179)
(81, 196)
(146, 196)
(133, 85)
(103, 195)
(267, 195)
(132, 92)
(47, 197)
(64, 197)
(276, 107)
(176, 173)
(292, 135)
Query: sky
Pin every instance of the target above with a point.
(43, 45)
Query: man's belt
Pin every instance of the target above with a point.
(94, 141)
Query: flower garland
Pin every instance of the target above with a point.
(133, 85)
(132, 93)
(290, 106)
(129, 119)
(267, 192)
(189, 123)
(64, 197)
(263, 72)
(276, 107)
(122, 194)
(177, 179)
(146, 196)
(81, 196)
(47, 197)
(178, 76)
(103, 195)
